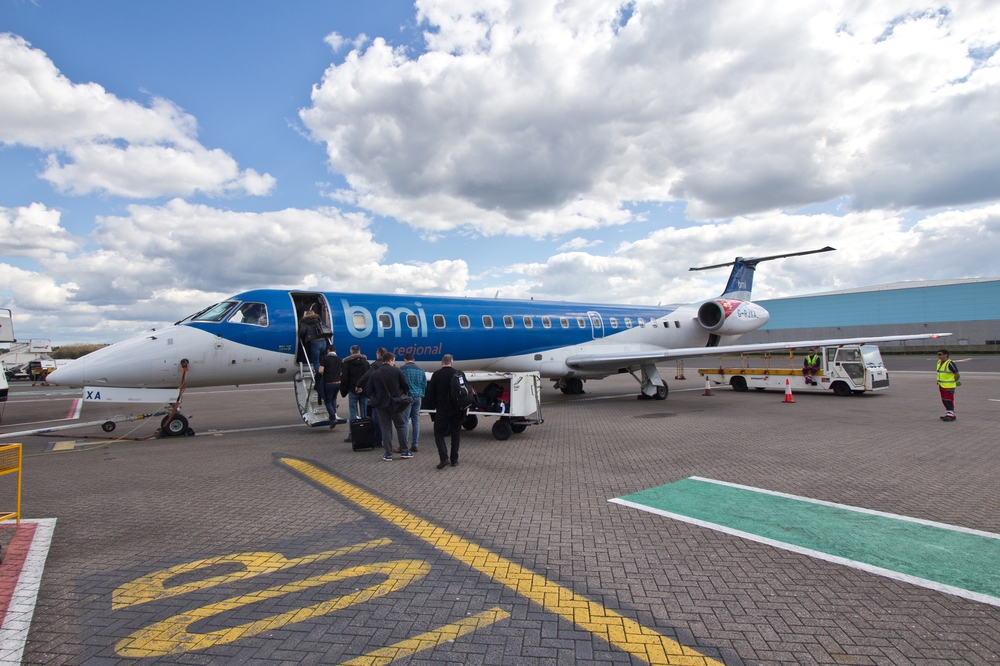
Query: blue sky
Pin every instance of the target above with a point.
(550, 150)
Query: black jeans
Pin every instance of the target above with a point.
(443, 426)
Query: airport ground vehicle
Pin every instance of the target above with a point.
(844, 369)
(514, 398)
(16, 359)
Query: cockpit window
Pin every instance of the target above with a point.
(250, 313)
(217, 312)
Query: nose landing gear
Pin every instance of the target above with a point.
(175, 424)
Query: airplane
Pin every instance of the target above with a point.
(252, 338)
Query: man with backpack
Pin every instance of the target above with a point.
(449, 394)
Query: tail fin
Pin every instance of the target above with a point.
(740, 282)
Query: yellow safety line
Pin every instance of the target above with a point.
(622, 632)
(174, 635)
(425, 641)
(153, 586)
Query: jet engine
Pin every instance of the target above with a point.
(724, 316)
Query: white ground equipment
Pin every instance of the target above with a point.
(513, 398)
(845, 370)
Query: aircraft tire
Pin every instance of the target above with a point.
(471, 421)
(502, 429)
(661, 392)
(575, 385)
(175, 427)
(108, 426)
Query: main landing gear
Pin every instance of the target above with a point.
(571, 386)
(652, 387)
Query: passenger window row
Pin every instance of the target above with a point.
(386, 321)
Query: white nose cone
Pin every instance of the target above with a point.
(71, 374)
(127, 364)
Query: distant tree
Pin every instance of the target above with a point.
(75, 350)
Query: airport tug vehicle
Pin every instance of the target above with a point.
(844, 369)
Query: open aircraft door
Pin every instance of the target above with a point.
(305, 379)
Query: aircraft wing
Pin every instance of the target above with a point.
(628, 359)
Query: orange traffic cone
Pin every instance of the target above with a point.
(788, 391)
(708, 387)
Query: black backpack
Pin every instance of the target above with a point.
(462, 393)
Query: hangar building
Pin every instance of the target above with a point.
(968, 309)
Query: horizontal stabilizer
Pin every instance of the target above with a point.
(612, 362)
(756, 260)
(740, 284)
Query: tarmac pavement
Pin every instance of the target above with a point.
(263, 541)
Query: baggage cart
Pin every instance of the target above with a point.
(514, 399)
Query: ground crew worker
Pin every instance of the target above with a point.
(947, 379)
(811, 366)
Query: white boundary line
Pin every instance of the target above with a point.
(871, 512)
(888, 573)
(941, 587)
(14, 631)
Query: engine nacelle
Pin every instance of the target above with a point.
(725, 316)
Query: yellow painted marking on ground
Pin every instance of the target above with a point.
(620, 631)
(425, 641)
(153, 586)
(171, 636)
(64, 446)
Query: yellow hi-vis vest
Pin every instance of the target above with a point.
(812, 359)
(945, 378)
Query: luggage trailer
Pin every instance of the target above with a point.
(518, 405)
(845, 370)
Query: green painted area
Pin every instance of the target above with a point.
(967, 561)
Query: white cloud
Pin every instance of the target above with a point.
(579, 244)
(159, 263)
(335, 41)
(545, 117)
(33, 231)
(873, 247)
(100, 143)
(34, 290)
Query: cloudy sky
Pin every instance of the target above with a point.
(158, 157)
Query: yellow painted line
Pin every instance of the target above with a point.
(172, 636)
(153, 586)
(425, 641)
(622, 632)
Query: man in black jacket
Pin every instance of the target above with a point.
(330, 371)
(353, 369)
(448, 418)
(385, 382)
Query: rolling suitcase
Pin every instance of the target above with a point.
(363, 434)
